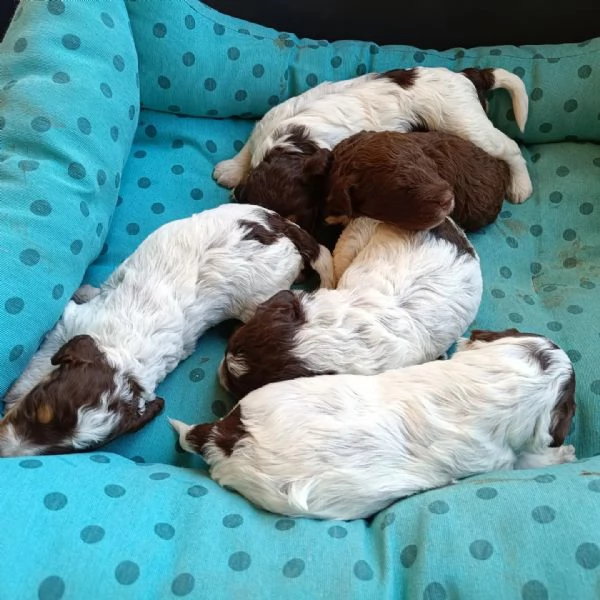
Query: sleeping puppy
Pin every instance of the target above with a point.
(95, 374)
(284, 164)
(403, 298)
(415, 180)
(347, 446)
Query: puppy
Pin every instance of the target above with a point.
(95, 374)
(403, 298)
(284, 164)
(347, 446)
(415, 180)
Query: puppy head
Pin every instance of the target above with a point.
(548, 356)
(261, 351)
(290, 180)
(72, 409)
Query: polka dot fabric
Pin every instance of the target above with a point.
(68, 108)
(245, 69)
(458, 541)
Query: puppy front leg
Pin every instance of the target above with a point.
(232, 171)
(350, 244)
(546, 458)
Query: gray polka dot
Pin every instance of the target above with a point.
(362, 570)
(127, 572)
(515, 317)
(159, 30)
(197, 194)
(584, 72)
(273, 100)
(114, 491)
(16, 353)
(373, 49)
(117, 180)
(218, 29)
(84, 125)
(388, 519)
(14, 305)
(434, 591)
(92, 534)
(164, 531)
(588, 555)
(101, 177)
(174, 108)
(586, 208)
(183, 584)
(150, 131)
(158, 208)
(71, 42)
(570, 263)
(536, 94)
(285, 524)
(28, 165)
(570, 105)
(594, 485)
(52, 588)
(574, 309)
(144, 182)
(588, 285)
(512, 242)
(2, 124)
(118, 62)
(481, 549)
(311, 80)
(164, 82)
(595, 387)
(361, 69)
(574, 355)
(239, 561)
(536, 230)
(562, 171)
(196, 375)
(132, 228)
(107, 20)
(554, 326)
(100, 459)
(20, 45)
(337, 532)
(293, 568)
(569, 235)
(99, 229)
(556, 197)
(55, 501)
(496, 293)
(505, 272)
(519, 71)
(190, 22)
(408, 556)
(241, 95)
(545, 128)
(543, 514)
(106, 90)
(218, 408)
(114, 133)
(177, 169)
(258, 71)
(528, 300)
(76, 170)
(233, 53)
(486, 493)
(534, 590)
(41, 124)
(210, 84)
(419, 57)
(197, 491)
(546, 478)
(58, 291)
(56, 7)
(29, 257)
(30, 463)
(439, 507)
(160, 476)
(188, 59)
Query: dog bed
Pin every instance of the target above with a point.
(112, 116)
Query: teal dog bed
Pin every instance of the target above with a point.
(112, 116)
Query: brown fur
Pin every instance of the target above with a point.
(285, 316)
(483, 80)
(224, 433)
(290, 182)
(415, 180)
(451, 233)
(47, 415)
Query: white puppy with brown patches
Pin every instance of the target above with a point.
(347, 446)
(403, 298)
(95, 374)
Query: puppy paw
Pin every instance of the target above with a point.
(520, 187)
(228, 173)
(566, 454)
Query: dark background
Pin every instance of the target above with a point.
(438, 24)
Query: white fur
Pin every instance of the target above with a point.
(184, 278)
(444, 100)
(347, 446)
(403, 298)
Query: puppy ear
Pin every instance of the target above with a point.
(339, 201)
(81, 349)
(482, 335)
(319, 163)
(285, 303)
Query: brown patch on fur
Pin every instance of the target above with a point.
(224, 433)
(305, 244)
(47, 416)
(405, 78)
(484, 335)
(451, 233)
(289, 180)
(414, 180)
(265, 343)
(483, 80)
(563, 413)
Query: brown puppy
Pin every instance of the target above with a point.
(415, 180)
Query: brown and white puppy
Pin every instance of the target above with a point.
(283, 165)
(415, 180)
(347, 446)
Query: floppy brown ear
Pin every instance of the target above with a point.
(319, 163)
(482, 335)
(284, 302)
(81, 349)
(339, 201)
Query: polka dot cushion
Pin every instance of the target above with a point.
(101, 526)
(199, 62)
(68, 107)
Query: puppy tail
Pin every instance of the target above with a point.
(191, 437)
(518, 94)
(485, 80)
(323, 265)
